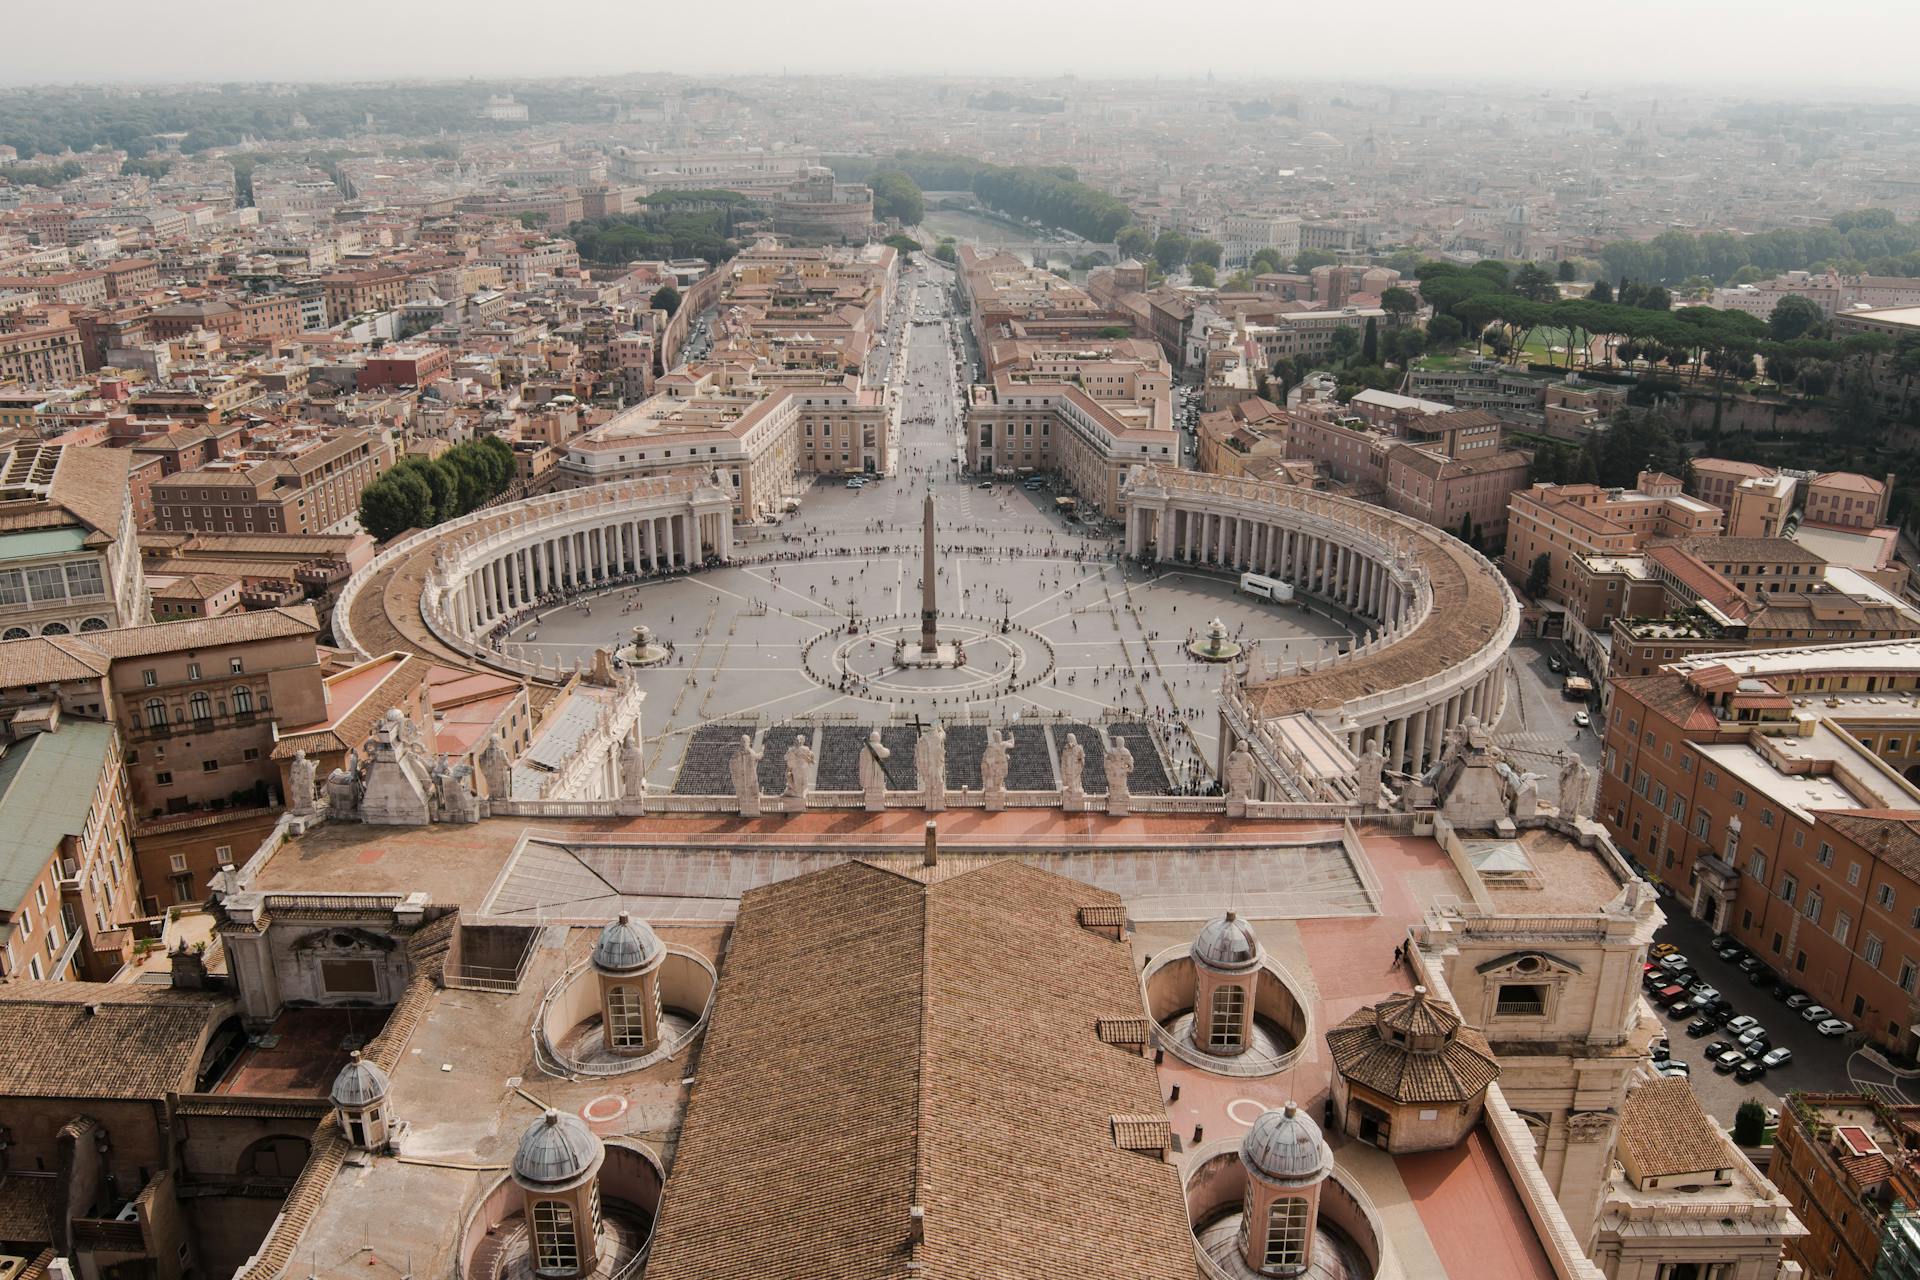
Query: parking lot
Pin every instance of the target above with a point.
(1819, 1064)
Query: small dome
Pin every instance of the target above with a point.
(1286, 1146)
(1421, 1023)
(1227, 943)
(626, 945)
(359, 1084)
(556, 1152)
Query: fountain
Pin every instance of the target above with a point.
(1216, 645)
(645, 651)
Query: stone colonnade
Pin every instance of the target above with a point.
(1357, 557)
(603, 545)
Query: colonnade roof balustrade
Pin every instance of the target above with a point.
(1471, 620)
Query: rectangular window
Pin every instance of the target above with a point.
(1884, 896)
(1871, 950)
(1853, 873)
(1521, 1000)
(1825, 854)
(1757, 866)
(1789, 889)
(1907, 976)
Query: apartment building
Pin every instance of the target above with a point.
(351, 293)
(68, 882)
(69, 550)
(754, 438)
(47, 354)
(1568, 522)
(1747, 785)
(1843, 1162)
(293, 480)
(1512, 394)
(1846, 500)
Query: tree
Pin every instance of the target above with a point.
(1398, 303)
(396, 502)
(1202, 275)
(1444, 331)
(1265, 260)
(903, 243)
(1539, 574)
(1344, 343)
(1566, 271)
(1370, 343)
(1656, 298)
(666, 298)
(945, 250)
(1534, 283)
(1112, 331)
(1309, 259)
(1134, 242)
(1792, 317)
(1601, 292)
(895, 195)
(1750, 1124)
(1205, 251)
(532, 219)
(1170, 250)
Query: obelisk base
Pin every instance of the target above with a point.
(942, 655)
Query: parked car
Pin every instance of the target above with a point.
(1729, 1061)
(1555, 665)
(1717, 1048)
(1751, 964)
(1741, 1023)
(1581, 719)
(1674, 960)
(1660, 1048)
(1833, 1028)
(1668, 994)
(1700, 1026)
(1723, 943)
(1704, 994)
(1721, 1014)
(1664, 948)
(1681, 1008)
(1798, 999)
(1814, 1012)
(1754, 1037)
(1749, 1071)
(1677, 1069)
(1759, 976)
(1777, 1057)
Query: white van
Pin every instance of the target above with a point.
(1266, 588)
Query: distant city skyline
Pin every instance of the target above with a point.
(1637, 42)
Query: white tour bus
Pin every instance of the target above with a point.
(1266, 588)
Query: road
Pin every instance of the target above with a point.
(1538, 723)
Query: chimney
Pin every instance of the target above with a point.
(931, 858)
(187, 969)
(917, 1216)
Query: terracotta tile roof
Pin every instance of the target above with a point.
(1764, 550)
(1462, 1069)
(930, 1044)
(351, 725)
(1668, 696)
(1892, 837)
(89, 486)
(102, 1040)
(1664, 1131)
(47, 659)
(26, 1208)
(205, 633)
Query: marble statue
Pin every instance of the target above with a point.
(496, 770)
(873, 771)
(633, 768)
(1238, 777)
(1073, 766)
(1575, 791)
(799, 766)
(1119, 768)
(1526, 794)
(343, 794)
(993, 763)
(743, 766)
(930, 763)
(1373, 767)
(300, 783)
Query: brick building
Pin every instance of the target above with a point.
(302, 481)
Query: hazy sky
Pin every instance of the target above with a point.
(1850, 46)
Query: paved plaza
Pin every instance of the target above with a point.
(804, 626)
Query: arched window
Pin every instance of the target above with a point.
(56, 629)
(556, 1247)
(156, 713)
(626, 1022)
(93, 624)
(200, 706)
(1287, 1233)
(1224, 1024)
(243, 701)
(16, 633)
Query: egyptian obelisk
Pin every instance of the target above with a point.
(929, 615)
